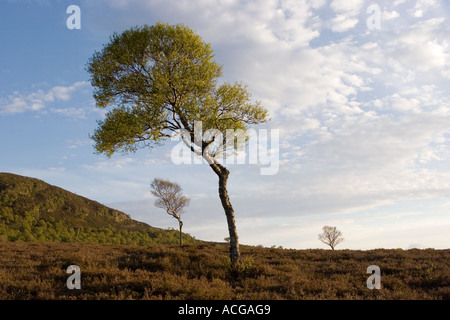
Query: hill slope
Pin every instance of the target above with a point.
(32, 210)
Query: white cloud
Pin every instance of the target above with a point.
(423, 46)
(398, 2)
(386, 15)
(111, 163)
(78, 143)
(79, 113)
(38, 100)
(422, 7)
(342, 23)
(346, 14)
(350, 7)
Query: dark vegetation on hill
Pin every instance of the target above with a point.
(37, 270)
(32, 210)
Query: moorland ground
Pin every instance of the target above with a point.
(37, 270)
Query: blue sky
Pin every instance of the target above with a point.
(363, 115)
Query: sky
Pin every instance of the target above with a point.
(357, 91)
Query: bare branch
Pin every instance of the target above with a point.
(169, 196)
(331, 236)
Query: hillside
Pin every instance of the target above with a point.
(32, 210)
(37, 270)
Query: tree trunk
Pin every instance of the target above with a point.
(181, 227)
(223, 174)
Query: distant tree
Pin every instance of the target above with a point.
(170, 198)
(161, 81)
(331, 236)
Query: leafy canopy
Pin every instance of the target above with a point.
(159, 80)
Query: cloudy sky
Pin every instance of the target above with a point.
(358, 91)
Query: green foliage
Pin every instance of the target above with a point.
(159, 80)
(31, 210)
(246, 267)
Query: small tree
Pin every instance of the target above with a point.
(170, 198)
(331, 236)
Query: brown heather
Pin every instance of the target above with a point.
(37, 270)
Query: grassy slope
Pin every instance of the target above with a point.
(38, 271)
(24, 194)
(32, 210)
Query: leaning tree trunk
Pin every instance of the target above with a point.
(223, 174)
(181, 234)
